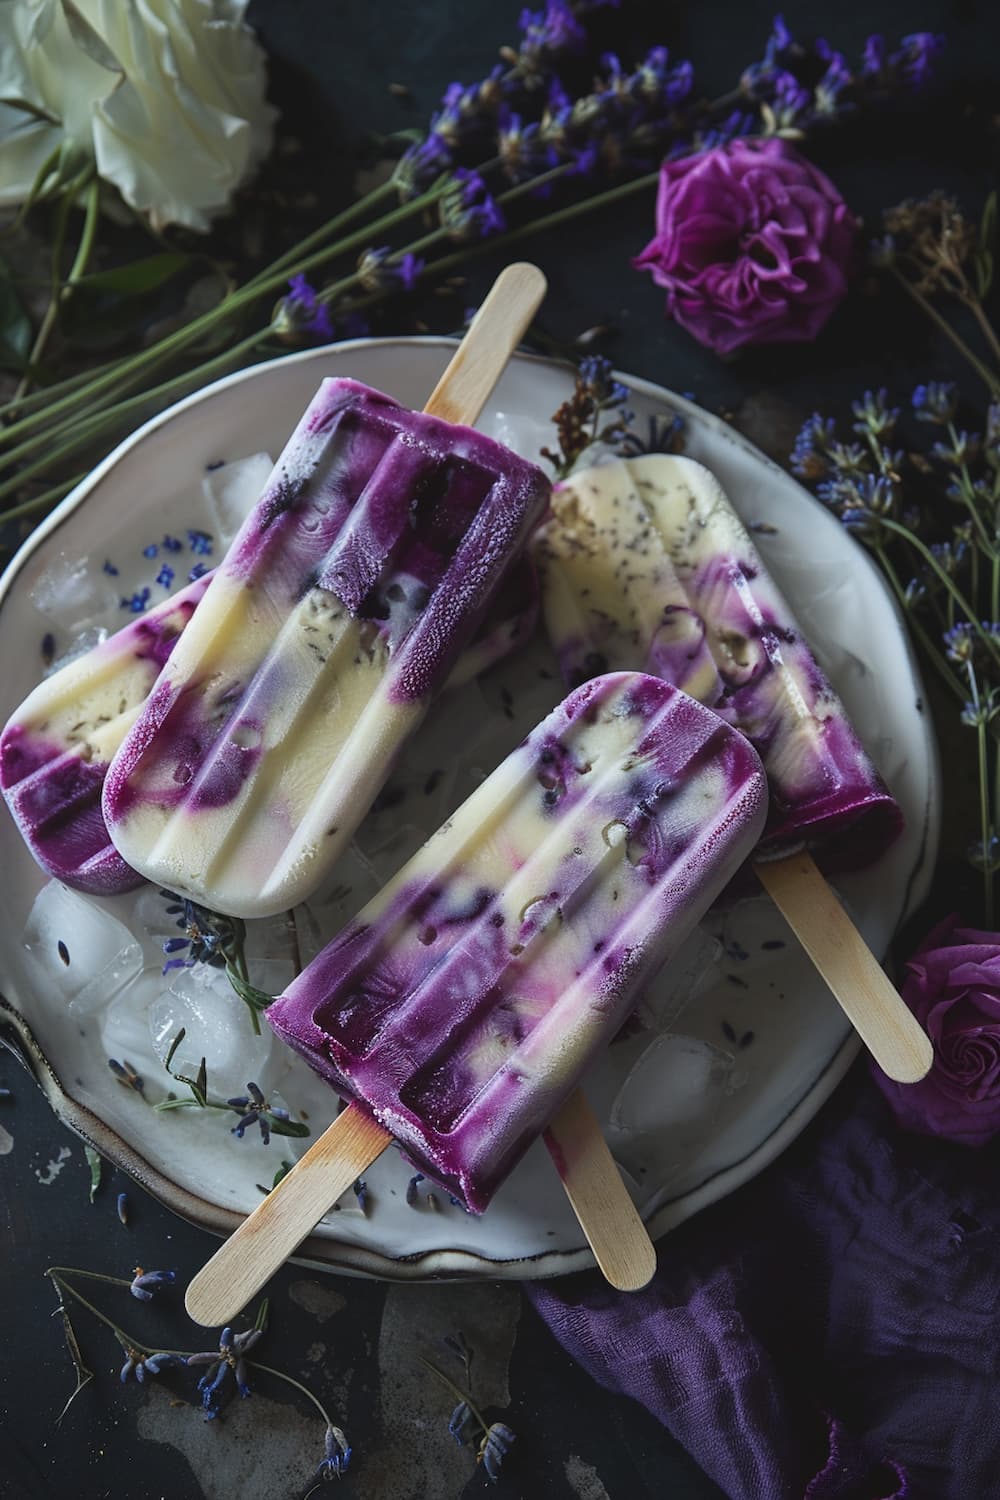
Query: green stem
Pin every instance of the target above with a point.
(268, 280)
(59, 387)
(87, 1275)
(917, 627)
(548, 221)
(290, 1380)
(48, 497)
(984, 800)
(969, 498)
(953, 590)
(290, 257)
(61, 294)
(979, 313)
(991, 380)
(119, 1333)
(457, 1391)
(78, 434)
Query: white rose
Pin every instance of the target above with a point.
(165, 96)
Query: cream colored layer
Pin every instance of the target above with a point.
(89, 705)
(322, 735)
(630, 538)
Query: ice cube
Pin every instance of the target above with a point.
(232, 490)
(670, 1100)
(84, 641)
(385, 849)
(692, 970)
(272, 975)
(270, 938)
(74, 593)
(77, 951)
(217, 1027)
(125, 1026)
(350, 885)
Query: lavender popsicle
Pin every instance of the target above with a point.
(646, 565)
(463, 1004)
(337, 613)
(56, 748)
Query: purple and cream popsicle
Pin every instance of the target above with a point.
(338, 612)
(463, 1004)
(56, 748)
(645, 565)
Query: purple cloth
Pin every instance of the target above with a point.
(829, 1332)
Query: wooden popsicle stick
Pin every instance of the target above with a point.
(617, 1236)
(491, 338)
(281, 1221)
(860, 985)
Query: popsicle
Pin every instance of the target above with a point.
(338, 612)
(461, 1007)
(645, 565)
(56, 747)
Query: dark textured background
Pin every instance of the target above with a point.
(357, 1342)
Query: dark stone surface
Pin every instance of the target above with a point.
(358, 1343)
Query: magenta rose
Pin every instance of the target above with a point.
(953, 989)
(753, 245)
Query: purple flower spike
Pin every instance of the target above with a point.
(301, 313)
(467, 209)
(337, 1455)
(145, 1284)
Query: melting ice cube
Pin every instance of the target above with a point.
(74, 593)
(692, 969)
(232, 491)
(83, 641)
(77, 951)
(669, 1102)
(217, 1027)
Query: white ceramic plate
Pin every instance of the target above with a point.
(746, 1042)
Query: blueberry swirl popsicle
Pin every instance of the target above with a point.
(57, 745)
(56, 748)
(645, 565)
(338, 612)
(463, 1004)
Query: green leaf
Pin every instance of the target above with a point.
(137, 277)
(287, 1127)
(15, 325)
(173, 1047)
(95, 1164)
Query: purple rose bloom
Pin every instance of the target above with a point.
(752, 243)
(953, 989)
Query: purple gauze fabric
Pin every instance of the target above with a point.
(831, 1331)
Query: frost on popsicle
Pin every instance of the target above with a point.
(338, 612)
(463, 1003)
(646, 566)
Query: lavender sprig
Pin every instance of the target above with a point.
(934, 251)
(596, 395)
(519, 134)
(467, 1424)
(930, 509)
(226, 1368)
